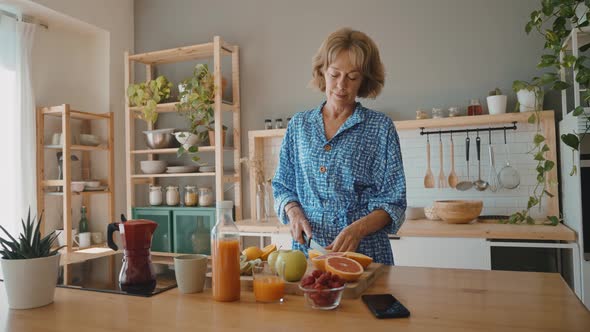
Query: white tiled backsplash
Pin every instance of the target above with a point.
(413, 147)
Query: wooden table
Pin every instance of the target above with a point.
(439, 300)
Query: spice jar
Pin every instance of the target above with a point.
(279, 124)
(205, 196)
(437, 113)
(190, 196)
(172, 195)
(268, 124)
(421, 114)
(474, 107)
(155, 195)
(454, 111)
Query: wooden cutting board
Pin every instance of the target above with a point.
(353, 290)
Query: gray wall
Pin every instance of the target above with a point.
(436, 53)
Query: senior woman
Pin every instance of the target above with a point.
(340, 177)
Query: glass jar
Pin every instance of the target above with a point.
(190, 196)
(454, 111)
(225, 255)
(268, 124)
(155, 195)
(172, 196)
(421, 114)
(437, 113)
(279, 124)
(205, 196)
(474, 107)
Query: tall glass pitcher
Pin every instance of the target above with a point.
(225, 255)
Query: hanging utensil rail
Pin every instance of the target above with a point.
(453, 131)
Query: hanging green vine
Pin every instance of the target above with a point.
(554, 21)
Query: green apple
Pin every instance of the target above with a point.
(272, 259)
(291, 265)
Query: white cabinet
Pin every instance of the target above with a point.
(462, 253)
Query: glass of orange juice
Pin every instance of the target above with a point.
(268, 286)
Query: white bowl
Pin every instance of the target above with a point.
(414, 213)
(153, 166)
(87, 139)
(187, 139)
(207, 169)
(77, 186)
(92, 184)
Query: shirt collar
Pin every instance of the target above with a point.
(357, 117)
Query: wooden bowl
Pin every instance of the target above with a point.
(457, 211)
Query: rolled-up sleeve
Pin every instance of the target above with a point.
(390, 195)
(284, 181)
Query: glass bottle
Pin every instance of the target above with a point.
(474, 107)
(83, 225)
(190, 196)
(225, 255)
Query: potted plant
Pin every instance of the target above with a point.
(148, 95)
(497, 102)
(30, 266)
(197, 96)
(529, 95)
(211, 132)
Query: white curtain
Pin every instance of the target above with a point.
(17, 123)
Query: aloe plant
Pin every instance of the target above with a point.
(29, 244)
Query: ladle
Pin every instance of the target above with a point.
(479, 184)
(467, 184)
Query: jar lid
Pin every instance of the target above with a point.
(204, 188)
(172, 187)
(279, 119)
(268, 120)
(190, 187)
(474, 101)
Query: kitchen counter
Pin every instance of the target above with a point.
(439, 300)
(428, 228)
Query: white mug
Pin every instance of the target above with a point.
(83, 239)
(61, 236)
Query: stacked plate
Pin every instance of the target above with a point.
(181, 169)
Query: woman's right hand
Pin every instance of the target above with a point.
(298, 222)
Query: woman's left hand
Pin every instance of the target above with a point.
(348, 239)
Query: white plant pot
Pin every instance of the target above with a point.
(497, 104)
(186, 139)
(30, 283)
(526, 99)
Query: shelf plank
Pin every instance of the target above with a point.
(57, 111)
(56, 193)
(53, 183)
(174, 150)
(171, 175)
(226, 106)
(464, 121)
(266, 133)
(184, 53)
(101, 147)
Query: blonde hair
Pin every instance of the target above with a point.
(363, 53)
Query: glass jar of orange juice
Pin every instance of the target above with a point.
(225, 255)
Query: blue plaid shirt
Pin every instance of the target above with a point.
(341, 180)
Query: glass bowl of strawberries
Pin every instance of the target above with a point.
(322, 290)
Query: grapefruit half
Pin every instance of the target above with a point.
(364, 260)
(346, 268)
(319, 261)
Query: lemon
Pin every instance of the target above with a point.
(267, 250)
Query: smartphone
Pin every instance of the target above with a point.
(385, 306)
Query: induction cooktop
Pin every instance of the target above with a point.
(102, 275)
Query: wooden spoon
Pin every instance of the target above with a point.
(429, 178)
(453, 179)
(442, 180)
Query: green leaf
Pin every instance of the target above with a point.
(571, 140)
(538, 139)
(549, 165)
(574, 170)
(530, 220)
(193, 149)
(545, 148)
(554, 220)
(548, 193)
(560, 85)
(584, 47)
(519, 85)
(180, 151)
(532, 118)
(532, 202)
(578, 110)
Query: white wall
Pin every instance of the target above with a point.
(436, 53)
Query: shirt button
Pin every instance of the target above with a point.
(327, 147)
(322, 169)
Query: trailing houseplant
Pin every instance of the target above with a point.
(30, 265)
(148, 95)
(555, 20)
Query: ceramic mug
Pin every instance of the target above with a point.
(190, 271)
(96, 237)
(61, 236)
(83, 239)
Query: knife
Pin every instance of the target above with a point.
(314, 245)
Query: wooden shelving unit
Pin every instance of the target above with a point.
(67, 114)
(215, 50)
